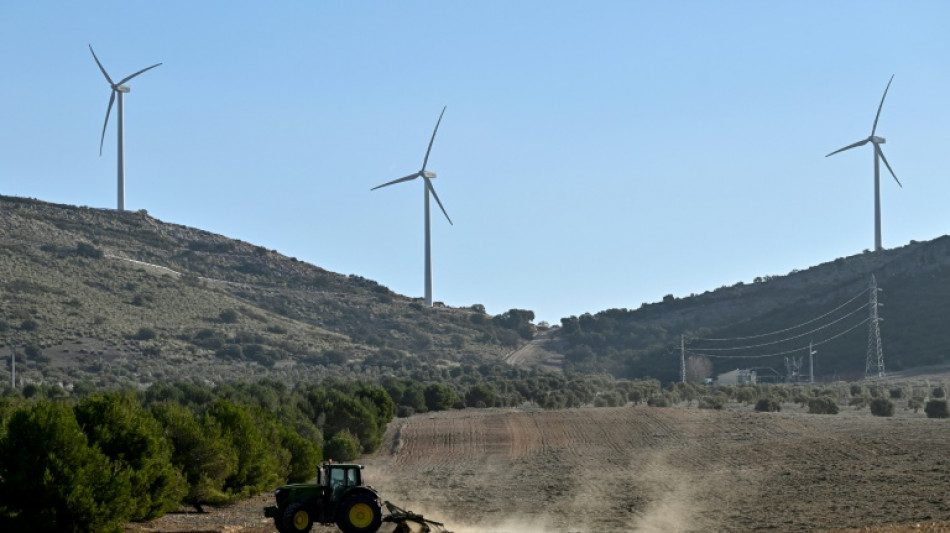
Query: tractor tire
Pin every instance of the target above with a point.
(297, 518)
(359, 513)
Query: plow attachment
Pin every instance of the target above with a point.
(404, 520)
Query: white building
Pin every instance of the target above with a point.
(736, 377)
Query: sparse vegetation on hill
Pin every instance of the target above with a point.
(915, 288)
(114, 298)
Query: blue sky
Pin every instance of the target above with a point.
(593, 154)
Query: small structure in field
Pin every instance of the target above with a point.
(736, 377)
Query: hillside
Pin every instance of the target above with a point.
(757, 325)
(96, 296)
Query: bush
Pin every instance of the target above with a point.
(440, 397)
(882, 407)
(343, 446)
(937, 409)
(658, 401)
(228, 316)
(938, 392)
(768, 405)
(714, 401)
(87, 250)
(822, 406)
(144, 334)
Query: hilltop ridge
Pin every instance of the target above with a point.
(112, 298)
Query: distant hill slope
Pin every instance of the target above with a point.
(101, 297)
(107, 297)
(762, 323)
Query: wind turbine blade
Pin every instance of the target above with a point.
(103, 69)
(850, 146)
(127, 78)
(426, 160)
(888, 165)
(106, 123)
(400, 180)
(878, 115)
(436, 196)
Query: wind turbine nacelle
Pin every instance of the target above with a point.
(123, 88)
(428, 174)
(878, 140)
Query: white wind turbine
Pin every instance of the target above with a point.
(120, 89)
(427, 177)
(878, 157)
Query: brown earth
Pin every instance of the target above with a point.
(641, 469)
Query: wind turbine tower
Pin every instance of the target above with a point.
(117, 89)
(427, 177)
(878, 157)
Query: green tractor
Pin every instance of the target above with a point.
(337, 497)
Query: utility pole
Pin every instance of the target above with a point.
(683, 358)
(875, 350)
(811, 363)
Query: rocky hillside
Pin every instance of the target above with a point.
(100, 297)
(105, 297)
(758, 325)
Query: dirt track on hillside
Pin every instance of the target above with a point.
(640, 469)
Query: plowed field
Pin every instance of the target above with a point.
(641, 469)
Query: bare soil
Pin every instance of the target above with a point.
(642, 469)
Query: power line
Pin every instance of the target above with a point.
(762, 356)
(860, 294)
(780, 341)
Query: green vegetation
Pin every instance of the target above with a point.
(937, 409)
(882, 407)
(768, 405)
(823, 405)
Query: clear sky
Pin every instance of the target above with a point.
(593, 154)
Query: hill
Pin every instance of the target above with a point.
(100, 297)
(761, 324)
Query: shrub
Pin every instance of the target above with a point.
(882, 407)
(343, 446)
(144, 334)
(87, 250)
(768, 405)
(658, 400)
(897, 394)
(440, 397)
(938, 392)
(937, 409)
(822, 406)
(713, 401)
(228, 316)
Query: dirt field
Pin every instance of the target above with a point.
(642, 469)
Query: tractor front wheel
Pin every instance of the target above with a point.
(360, 513)
(296, 519)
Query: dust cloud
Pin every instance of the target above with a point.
(651, 495)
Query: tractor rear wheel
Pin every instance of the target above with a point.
(296, 519)
(360, 513)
